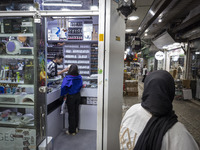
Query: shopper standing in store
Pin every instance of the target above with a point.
(144, 72)
(70, 89)
(52, 69)
(152, 124)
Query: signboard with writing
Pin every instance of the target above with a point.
(17, 139)
(159, 55)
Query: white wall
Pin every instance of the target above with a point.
(114, 62)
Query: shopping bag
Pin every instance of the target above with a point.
(63, 108)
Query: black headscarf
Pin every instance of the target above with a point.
(159, 91)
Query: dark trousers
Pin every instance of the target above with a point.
(73, 102)
(143, 78)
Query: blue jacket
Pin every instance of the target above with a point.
(71, 85)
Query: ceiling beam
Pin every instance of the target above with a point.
(160, 10)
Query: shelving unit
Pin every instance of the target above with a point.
(17, 56)
(16, 34)
(20, 102)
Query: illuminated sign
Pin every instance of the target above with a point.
(159, 55)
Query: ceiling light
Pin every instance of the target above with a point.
(133, 18)
(63, 4)
(139, 28)
(176, 44)
(197, 53)
(159, 20)
(151, 12)
(94, 8)
(145, 34)
(64, 9)
(147, 30)
(129, 30)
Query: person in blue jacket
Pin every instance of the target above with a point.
(71, 87)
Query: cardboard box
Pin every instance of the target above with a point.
(187, 94)
(132, 89)
(186, 84)
(132, 93)
(131, 83)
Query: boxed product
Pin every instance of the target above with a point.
(132, 93)
(186, 84)
(132, 89)
(131, 83)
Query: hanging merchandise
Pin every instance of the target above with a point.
(29, 72)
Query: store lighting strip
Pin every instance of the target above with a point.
(62, 4)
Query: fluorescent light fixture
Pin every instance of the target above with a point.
(139, 28)
(62, 4)
(129, 30)
(177, 44)
(159, 20)
(133, 18)
(147, 30)
(82, 17)
(197, 53)
(151, 12)
(94, 8)
(64, 9)
(145, 34)
(172, 46)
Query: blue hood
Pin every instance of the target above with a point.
(71, 85)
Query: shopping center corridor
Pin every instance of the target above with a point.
(188, 111)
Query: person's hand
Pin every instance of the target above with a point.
(61, 44)
(66, 69)
(65, 98)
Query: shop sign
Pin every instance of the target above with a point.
(159, 55)
(17, 139)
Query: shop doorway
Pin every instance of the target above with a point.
(77, 39)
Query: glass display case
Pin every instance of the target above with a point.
(22, 111)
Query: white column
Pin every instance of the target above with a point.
(113, 88)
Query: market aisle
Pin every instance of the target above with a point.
(188, 112)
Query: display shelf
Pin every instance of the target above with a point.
(74, 33)
(10, 82)
(71, 41)
(16, 99)
(15, 124)
(89, 92)
(16, 106)
(17, 56)
(16, 34)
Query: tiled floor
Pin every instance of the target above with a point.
(84, 140)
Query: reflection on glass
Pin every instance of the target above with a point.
(69, 5)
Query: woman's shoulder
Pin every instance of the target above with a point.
(179, 138)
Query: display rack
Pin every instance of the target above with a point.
(20, 103)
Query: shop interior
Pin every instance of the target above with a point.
(79, 45)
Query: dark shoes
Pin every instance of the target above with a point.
(77, 130)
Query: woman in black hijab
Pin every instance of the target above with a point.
(159, 91)
(147, 123)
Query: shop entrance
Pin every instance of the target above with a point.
(76, 38)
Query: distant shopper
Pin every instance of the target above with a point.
(52, 69)
(144, 72)
(152, 124)
(70, 88)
